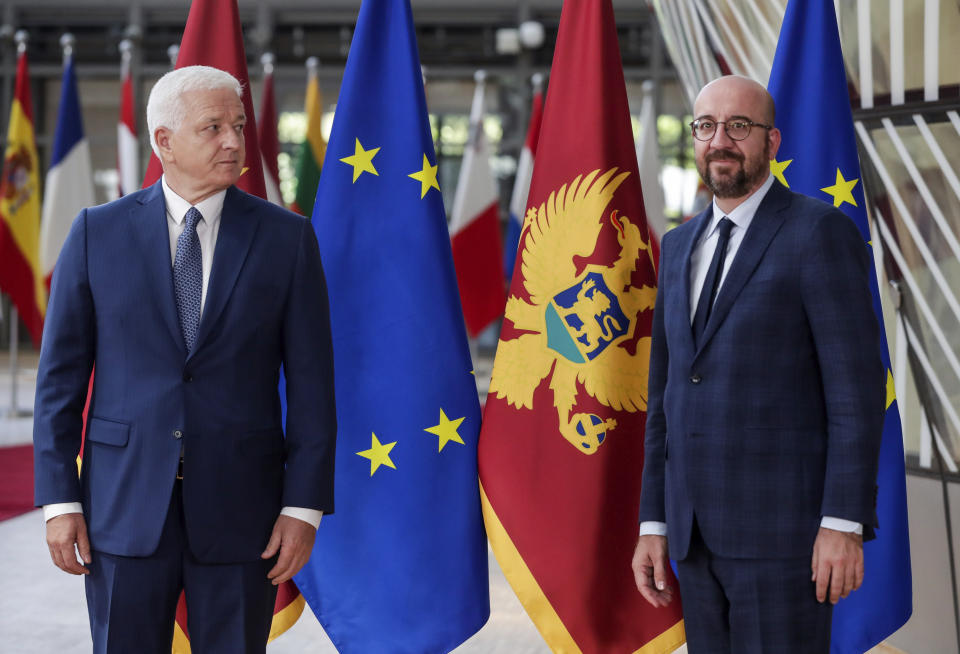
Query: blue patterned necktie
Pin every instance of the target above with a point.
(188, 278)
(712, 283)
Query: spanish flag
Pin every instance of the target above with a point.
(561, 446)
(20, 275)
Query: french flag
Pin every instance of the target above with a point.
(475, 228)
(521, 185)
(69, 183)
(128, 146)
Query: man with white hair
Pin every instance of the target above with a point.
(187, 297)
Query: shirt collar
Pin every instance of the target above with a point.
(210, 208)
(742, 215)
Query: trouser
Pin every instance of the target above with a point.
(132, 601)
(751, 606)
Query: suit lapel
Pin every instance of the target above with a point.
(153, 238)
(766, 222)
(238, 225)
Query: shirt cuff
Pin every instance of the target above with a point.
(310, 516)
(53, 510)
(653, 528)
(839, 524)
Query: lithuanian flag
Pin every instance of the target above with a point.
(313, 149)
(20, 275)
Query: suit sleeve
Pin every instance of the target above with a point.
(311, 426)
(66, 360)
(836, 295)
(652, 507)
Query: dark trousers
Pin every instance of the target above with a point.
(132, 600)
(751, 606)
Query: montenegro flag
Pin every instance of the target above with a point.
(20, 275)
(561, 446)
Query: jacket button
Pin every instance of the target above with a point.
(695, 379)
(177, 433)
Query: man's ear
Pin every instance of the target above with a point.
(163, 136)
(773, 139)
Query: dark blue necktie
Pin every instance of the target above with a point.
(188, 278)
(710, 285)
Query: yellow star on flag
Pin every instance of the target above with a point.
(361, 160)
(891, 392)
(842, 190)
(427, 177)
(446, 430)
(379, 454)
(777, 168)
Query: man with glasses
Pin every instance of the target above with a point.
(766, 399)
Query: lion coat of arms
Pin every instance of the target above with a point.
(580, 326)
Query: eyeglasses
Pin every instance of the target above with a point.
(739, 129)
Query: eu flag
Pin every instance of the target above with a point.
(818, 157)
(402, 564)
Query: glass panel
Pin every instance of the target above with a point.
(949, 28)
(922, 270)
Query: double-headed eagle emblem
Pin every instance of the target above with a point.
(581, 324)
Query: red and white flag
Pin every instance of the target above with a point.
(521, 184)
(648, 159)
(267, 133)
(475, 228)
(128, 146)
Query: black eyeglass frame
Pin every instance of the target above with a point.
(694, 125)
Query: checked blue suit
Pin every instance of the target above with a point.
(112, 306)
(775, 419)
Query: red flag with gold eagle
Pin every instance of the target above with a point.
(20, 274)
(561, 448)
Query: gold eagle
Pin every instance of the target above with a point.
(557, 239)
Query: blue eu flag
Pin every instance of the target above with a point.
(818, 157)
(402, 564)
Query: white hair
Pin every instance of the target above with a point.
(165, 107)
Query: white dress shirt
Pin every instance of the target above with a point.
(741, 216)
(207, 229)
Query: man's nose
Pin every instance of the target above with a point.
(232, 140)
(720, 138)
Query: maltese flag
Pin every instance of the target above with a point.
(69, 184)
(475, 228)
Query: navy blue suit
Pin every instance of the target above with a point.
(775, 420)
(112, 305)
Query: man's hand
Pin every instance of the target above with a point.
(293, 538)
(63, 533)
(837, 563)
(650, 565)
